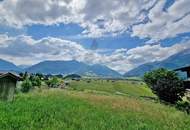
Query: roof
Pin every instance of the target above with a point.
(15, 76)
(183, 69)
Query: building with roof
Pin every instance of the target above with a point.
(187, 80)
(8, 83)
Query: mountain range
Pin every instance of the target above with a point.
(61, 67)
(178, 60)
(72, 67)
(8, 66)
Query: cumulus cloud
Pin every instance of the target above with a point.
(96, 16)
(124, 60)
(25, 50)
(142, 18)
(23, 12)
(147, 18)
(100, 18)
(46, 48)
(165, 24)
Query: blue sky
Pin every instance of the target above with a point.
(127, 33)
(73, 32)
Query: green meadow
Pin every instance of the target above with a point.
(91, 105)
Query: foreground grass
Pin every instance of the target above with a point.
(76, 110)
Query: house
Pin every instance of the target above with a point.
(7, 85)
(187, 70)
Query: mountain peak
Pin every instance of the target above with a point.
(175, 61)
(71, 67)
(8, 66)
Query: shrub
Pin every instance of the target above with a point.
(36, 81)
(53, 82)
(165, 84)
(25, 75)
(183, 106)
(41, 76)
(26, 86)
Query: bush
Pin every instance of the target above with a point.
(183, 106)
(41, 76)
(53, 82)
(165, 84)
(36, 81)
(26, 86)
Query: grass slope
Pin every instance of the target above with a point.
(57, 109)
(130, 88)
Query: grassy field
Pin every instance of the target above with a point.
(129, 88)
(98, 105)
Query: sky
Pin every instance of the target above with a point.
(121, 34)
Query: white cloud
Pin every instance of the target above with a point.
(126, 60)
(100, 18)
(25, 50)
(96, 16)
(165, 24)
(46, 48)
(23, 12)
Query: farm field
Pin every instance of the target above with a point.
(94, 105)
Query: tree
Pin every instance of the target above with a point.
(26, 86)
(53, 82)
(41, 76)
(165, 84)
(36, 81)
(21, 74)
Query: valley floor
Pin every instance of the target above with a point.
(98, 105)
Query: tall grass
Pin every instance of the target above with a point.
(57, 109)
